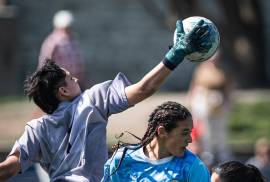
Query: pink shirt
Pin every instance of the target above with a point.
(64, 49)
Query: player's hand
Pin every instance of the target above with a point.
(195, 40)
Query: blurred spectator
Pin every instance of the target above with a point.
(62, 47)
(209, 99)
(234, 171)
(261, 159)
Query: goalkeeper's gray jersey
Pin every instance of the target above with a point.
(70, 144)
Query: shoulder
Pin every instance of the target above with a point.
(38, 126)
(193, 168)
(128, 154)
(195, 160)
(189, 156)
(97, 87)
(197, 170)
(191, 161)
(120, 78)
(120, 152)
(34, 127)
(50, 39)
(101, 89)
(35, 123)
(115, 158)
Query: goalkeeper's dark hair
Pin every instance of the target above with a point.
(235, 171)
(167, 114)
(42, 86)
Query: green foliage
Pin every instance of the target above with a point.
(248, 122)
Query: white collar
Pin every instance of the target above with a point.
(155, 162)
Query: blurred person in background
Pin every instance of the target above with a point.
(70, 140)
(261, 159)
(235, 171)
(209, 99)
(63, 47)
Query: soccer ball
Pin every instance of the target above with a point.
(214, 38)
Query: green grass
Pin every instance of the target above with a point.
(248, 122)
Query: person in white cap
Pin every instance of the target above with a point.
(62, 46)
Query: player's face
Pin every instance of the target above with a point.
(72, 85)
(178, 139)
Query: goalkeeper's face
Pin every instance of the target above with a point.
(176, 141)
(71, 89)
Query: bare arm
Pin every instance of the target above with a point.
(148, 85)
(184, 45)
(10, 167)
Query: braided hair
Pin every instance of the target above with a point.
(234, 171)
(167, 115)
(42, 86)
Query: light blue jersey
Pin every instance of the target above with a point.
(137, 167)
(70, 144)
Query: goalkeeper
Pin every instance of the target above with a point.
(70, 141)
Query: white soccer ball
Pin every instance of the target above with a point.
(214, 38)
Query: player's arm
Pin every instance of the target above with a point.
(148, 85)
(10, 167)
(185, 44)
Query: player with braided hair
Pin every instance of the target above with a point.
(161, 154)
